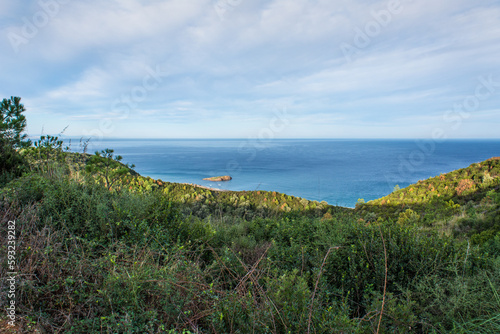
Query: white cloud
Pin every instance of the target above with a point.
(91, 85)
(262, 54)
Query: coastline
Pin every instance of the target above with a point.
(204, 187)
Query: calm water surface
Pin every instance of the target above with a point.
(337, 171)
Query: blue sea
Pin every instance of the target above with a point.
(336, 171)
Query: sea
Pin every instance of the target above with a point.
(338, 171)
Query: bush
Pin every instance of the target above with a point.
(12, 163)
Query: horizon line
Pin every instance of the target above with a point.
(62, 136)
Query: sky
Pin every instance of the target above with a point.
(254, 69)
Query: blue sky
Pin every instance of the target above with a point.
(250, 69)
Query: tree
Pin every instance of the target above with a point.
(360, 203)
(13, 123)
(47, 153)
(108, 166)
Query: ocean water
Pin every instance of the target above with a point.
(336, 171)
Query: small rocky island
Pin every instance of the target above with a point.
(219, 178)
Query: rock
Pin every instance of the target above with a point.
(219, 178)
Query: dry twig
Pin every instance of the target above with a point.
(385, 281)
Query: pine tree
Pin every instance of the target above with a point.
(12, 125)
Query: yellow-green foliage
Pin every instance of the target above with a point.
(461, 184)
(464, 202)
(408, 217)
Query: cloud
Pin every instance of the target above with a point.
(245, 60)
(91, 85)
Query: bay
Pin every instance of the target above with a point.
(338, 171)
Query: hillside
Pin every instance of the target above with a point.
(462, 185)
(102, 249)
(202, 201)
(464, 202)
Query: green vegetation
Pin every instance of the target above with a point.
(464, 203)
(12, 124)
(102, 249)
(108, 167)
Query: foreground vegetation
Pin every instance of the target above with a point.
(102, 249)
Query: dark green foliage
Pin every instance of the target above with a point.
(12, 164)
(491, 247)
(12, 124)
(25, 191)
